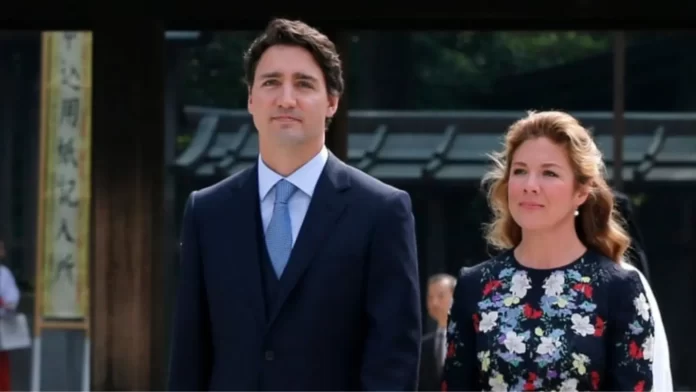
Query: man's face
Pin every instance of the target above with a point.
(439, 300)
(288, 100)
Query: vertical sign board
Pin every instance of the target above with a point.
(63, 254)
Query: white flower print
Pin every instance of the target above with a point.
(488, 321)
(648, 345)
(452, 327)
(497, 383)
(581, 325)
(548, 345)
(570, 385)
(553, 286)
(642, 306)
(579, 362)
(485, 358)
(520, 284)
(514, 343)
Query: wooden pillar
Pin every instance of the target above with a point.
(337, 135)
(128, 159)
(619, 108)
(164, 298)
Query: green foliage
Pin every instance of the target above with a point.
(468, 63)
(213, 74)
(444, 70)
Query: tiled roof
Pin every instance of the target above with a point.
(445, 146)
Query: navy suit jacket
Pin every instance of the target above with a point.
(347, 311)
(430, 376)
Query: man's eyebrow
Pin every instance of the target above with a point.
(296, 75)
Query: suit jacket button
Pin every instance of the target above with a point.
(270, 355)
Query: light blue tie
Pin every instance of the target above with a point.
(279, 232)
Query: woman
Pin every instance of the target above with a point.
(556, 310)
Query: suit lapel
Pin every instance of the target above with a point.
(327, 205)
(244, 247)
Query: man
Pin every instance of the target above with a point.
(299, 273)
(439, 301)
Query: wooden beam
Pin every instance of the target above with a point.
(128, 157)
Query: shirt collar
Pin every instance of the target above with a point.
(305, 178)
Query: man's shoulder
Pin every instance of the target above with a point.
(368, 185)
(472, 274)
(221, 189)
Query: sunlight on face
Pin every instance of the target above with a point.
(542, 190)
(288, 100)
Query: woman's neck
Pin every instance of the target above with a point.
(549, 248)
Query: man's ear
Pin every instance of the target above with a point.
(250, 103)
(333, 105)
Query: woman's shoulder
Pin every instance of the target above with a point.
(478, 272)
(622, 279)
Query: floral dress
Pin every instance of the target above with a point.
(583, 326)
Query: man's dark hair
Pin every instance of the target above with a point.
(297, 33)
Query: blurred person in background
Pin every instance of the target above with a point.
(433, 345)
(9, 299)
(558, 309)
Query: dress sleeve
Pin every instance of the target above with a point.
(662, 370)
(632, 336)
(461, 369)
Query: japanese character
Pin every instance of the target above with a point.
(67, 265)
(64, 230)
(70, 111)
(66, 188)
(71, 77)
(66, 151)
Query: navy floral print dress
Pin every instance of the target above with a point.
(583, 326)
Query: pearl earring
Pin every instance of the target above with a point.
(576, 213)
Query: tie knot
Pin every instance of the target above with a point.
(284, 190)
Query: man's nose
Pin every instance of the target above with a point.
(287, 97)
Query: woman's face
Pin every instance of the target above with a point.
(542, 191)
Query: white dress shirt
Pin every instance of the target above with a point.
(305, 179)
(440, 346)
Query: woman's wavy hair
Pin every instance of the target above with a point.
(598, 225)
